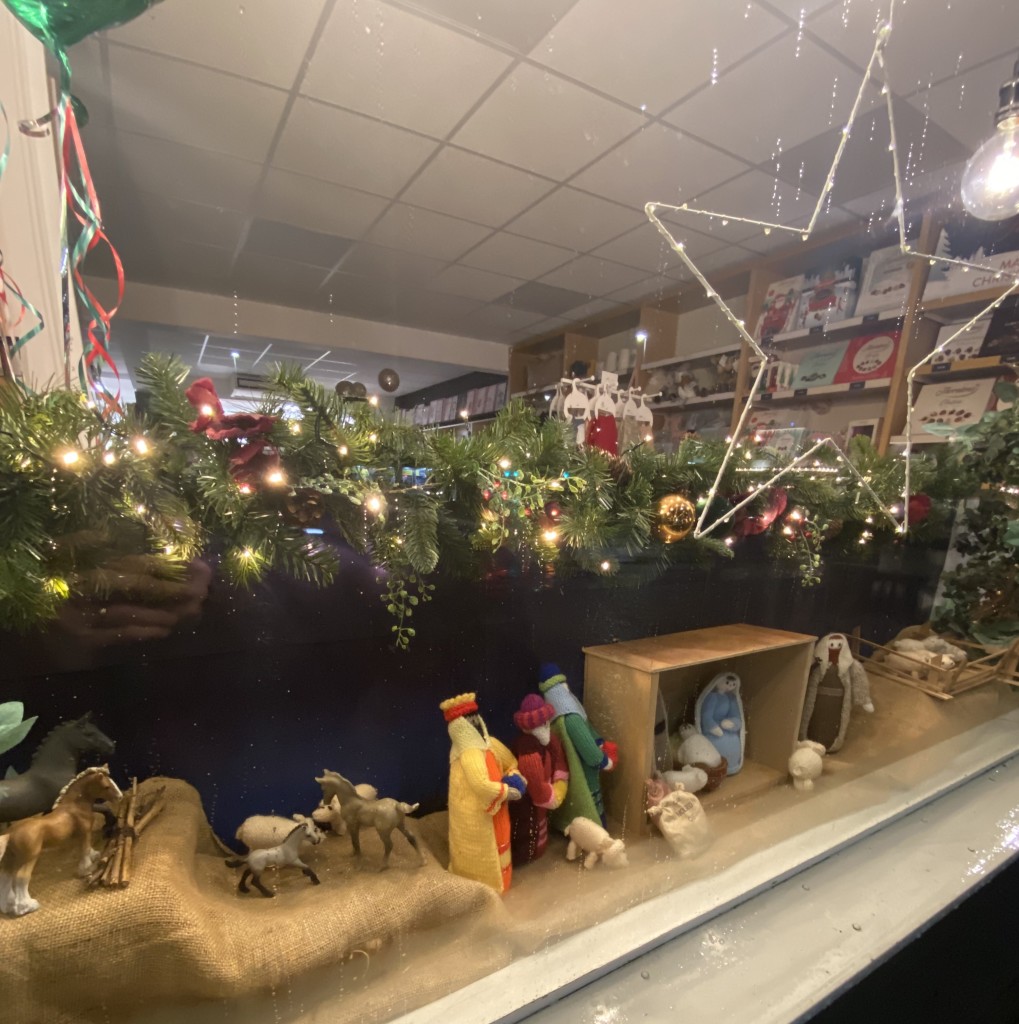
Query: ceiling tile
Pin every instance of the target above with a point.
(317, 205)
(90, 85)
(754, 195)
(287, 242)
(652, 289)
(592, 309)
(259, 39)
(593, 277)
(964, 106)
(348, 149)
(572, 218)
(866, 164)
(646, 249)
(425, 232)
(500, 321)
(515, 256)
(183, 172)
(470, 186)
(679, 45)
(173, 264)
(436, 312)
(381, 61)
(922, 49)
(519, 25)
(390, 265)
(267, 278)
(542, 298)
(155, 218)
(161, 97)
(658, 164)
(805, 95)
(472, 283)
(545, 124)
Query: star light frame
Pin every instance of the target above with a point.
(651, 209)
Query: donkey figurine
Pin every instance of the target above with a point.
(54, 764)
(383, 815)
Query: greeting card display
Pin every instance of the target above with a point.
(1003, 333)
(819, 367)
(869, 357)
(828, 296)
(778, 313)
(885, 282)
(787, 442)
(957, 403)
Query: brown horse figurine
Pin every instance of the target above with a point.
(72, 815)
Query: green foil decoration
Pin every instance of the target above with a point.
(58, 24)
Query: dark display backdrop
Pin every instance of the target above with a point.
(253, 700)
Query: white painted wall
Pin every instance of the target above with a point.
(30, 205)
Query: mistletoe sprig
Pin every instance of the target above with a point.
(177, 475)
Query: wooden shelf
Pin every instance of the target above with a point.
(850, 324)
(900, 439)
(961, 369)
(825, 389)
(704, 353)
(486, 417)
(957, 303)
(722, 396)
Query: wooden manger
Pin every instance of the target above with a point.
(986, 665)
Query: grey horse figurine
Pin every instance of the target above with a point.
(383, 814)
(54, 764)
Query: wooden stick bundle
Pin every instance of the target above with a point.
(113, 868)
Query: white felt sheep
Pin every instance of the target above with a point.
(933, 644)
(918, 663)
(693, 748)
(806, 764)
(264, 831)
(592, 840)
(691, 778)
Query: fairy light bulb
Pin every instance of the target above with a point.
(247, 554)
(373, 400)
(275, 477)
(70, 457)
(141, 446)
(606, 565)
(550, 536)
(207, 410)
(504, 463)
(343, 451)
(109, 458)
(990, 183)
(373, 504)
(245, 488)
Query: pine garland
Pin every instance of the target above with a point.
(172, 476)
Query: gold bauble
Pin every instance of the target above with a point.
(676, 517)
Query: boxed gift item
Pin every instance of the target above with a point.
(1002, 338)
(778, 313)
(869, 357)
(819, 366)
(957, 403)
(966, 344)
(829, 296)
(886, 281)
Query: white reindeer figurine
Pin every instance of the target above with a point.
(286, 855)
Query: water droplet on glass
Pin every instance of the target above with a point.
(645, 975)
(767, 231)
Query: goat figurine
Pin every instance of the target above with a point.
(286, 855)
(383, 814)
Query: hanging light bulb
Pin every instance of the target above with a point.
(990, 183)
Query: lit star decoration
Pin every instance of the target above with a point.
(877, 60)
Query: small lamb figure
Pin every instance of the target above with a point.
(694, 748)
(691, 778)
(918, 663)
(591, 839)
(263, 831)
(806, 764)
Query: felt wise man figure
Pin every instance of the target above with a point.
(587, 754)
(837, 681)
(542, 762)
(483, 777)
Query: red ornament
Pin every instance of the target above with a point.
(919, 507)
(486, 494)
(778, 500)
(553, 510)
(212, 421)
(504, 495)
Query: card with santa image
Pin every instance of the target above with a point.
(778, 312)
(869, 357)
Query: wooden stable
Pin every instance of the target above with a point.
(621, 686)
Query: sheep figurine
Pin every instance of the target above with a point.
(918, 663)
(690, 777)
(806, 764)
(693, 748)
(933, 645)
(264, 831)
(591, 839)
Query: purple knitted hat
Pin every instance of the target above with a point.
(534, 711)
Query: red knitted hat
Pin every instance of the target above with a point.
(534, 711)
(457, 707)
